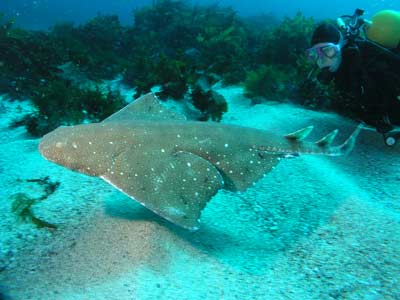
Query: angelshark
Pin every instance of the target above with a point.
(173, 166)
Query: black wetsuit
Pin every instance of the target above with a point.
(368, 80)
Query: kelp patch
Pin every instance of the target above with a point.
(22, 204)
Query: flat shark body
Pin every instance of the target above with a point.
(173, 166)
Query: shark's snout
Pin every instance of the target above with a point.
(51, 145)
(44, 146)
(65, 146)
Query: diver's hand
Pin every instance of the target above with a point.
(384, 126)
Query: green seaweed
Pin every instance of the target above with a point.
(212, 104)
(22, 207)
(267, 81)
(224, 45)
(287, 41)
(22, 203)
(49, 187)
(170, 44)
(172, 77)
(28, 58)
(103, 38)
(61, 103)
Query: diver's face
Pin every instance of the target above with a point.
(326, 55)
(332, 63)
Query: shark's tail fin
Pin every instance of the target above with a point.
(349, 144)
(324, 145)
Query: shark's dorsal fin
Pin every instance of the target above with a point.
(328, 139)
(300, 135)
(145, 108)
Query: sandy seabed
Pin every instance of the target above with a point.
(315, 227)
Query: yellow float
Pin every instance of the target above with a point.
(385, 28)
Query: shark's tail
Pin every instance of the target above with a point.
(324, 145)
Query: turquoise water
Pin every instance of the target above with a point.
(313, 227)
(43, 13)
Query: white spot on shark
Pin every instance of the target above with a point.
(175, 211)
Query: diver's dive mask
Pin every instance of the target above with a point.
(322, 50)
(326, 55)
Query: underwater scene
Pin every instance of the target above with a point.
(199, 150)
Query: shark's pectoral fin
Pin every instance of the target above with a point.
(176, 186)
(242, 169)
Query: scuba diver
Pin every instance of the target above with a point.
(362, 58)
